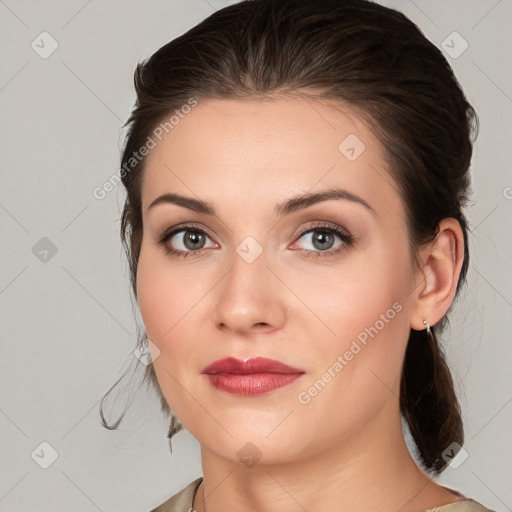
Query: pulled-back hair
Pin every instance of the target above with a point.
(360, 54)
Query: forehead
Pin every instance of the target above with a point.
(265, 149)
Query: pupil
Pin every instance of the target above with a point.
(322, 237)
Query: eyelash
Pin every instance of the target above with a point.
(346, 238)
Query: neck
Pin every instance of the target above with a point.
(373, 470)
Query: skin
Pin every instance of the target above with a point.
(244, 157)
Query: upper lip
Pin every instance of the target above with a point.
(249, 366)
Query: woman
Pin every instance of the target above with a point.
(296, 174)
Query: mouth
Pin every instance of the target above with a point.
(253, 376)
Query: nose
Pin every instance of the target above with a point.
(249, 298)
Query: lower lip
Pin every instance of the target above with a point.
(252, 384)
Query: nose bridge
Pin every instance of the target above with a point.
(247, 296)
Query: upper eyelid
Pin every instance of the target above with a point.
(324, 224)
(170, 233)
(186, 227)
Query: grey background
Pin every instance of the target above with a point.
(66, 326)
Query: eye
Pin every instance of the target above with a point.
(321, 239)
(184, 240)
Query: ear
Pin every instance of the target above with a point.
(436, 281)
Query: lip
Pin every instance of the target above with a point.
(249, 366)
(253, 376)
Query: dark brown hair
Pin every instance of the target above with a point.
(353, 52)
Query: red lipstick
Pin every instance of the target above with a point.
(253, 376)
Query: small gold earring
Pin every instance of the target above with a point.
(425, 322)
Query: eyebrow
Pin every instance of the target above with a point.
(289, 206)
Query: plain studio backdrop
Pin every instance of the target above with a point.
(66, 326)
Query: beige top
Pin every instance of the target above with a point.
(182, 502)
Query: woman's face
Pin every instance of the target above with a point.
(249, 282)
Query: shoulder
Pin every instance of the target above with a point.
(181, 501)
(464, 505)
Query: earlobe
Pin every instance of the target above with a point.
(439, 275)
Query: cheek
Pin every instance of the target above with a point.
(172, 304)
(366, 310)
(164, 300)
(357, 295)
(152, 299)
(163, 295)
